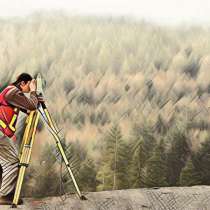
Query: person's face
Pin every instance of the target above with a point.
(25, 86)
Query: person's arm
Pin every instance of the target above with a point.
(25, 111)
(17, 98)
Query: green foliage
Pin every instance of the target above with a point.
(177, 155)
(189, 175)
(85, 97)
(87, 176)
(82, 167)
(100, 117)
(112, 172)
(79, 119)
(160, 126)
(137, 176)
(141, 147)
(44, 177)
(101, 68)
(156, 167)
(191, 68)
(50, 178)
(201, 161)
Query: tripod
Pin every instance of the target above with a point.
(27, 144)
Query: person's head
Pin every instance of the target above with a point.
(23, 82)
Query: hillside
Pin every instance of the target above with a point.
(131, 98)
(104, 70)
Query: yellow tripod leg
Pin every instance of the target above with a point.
(59, 145)
(24, 136)
(28, 139)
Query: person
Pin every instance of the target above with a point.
(12, 101)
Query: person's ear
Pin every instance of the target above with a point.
(22, 83)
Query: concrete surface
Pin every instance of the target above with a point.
(181, 198)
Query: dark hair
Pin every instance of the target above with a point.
(22, 77)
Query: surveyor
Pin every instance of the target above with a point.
(13, 100)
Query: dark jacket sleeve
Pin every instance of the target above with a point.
(17, 98)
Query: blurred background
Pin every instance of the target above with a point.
(127, 82)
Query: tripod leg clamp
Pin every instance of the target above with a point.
(23, 164)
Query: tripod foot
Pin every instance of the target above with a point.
(82, 197)
(14, 206)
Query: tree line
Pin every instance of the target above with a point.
(150, 158)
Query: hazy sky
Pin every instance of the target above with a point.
(168, 11)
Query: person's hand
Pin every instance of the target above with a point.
(32, 85)
(40, 98)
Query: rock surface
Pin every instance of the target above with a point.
(181, 198)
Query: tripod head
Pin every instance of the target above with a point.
(39, 89)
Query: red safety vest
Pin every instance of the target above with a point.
(8, 114)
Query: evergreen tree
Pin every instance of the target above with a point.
(45, 177)
(104, 177)
(156, 167)
(124, 161)
(139, 157)
(177, 156)
(201, 161)
(160, 126)
(112, 170)
(87, 176)
(189, 175)
(77, 156)
(142, 147)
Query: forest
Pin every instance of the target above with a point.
(131, 97)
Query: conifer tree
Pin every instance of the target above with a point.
(141, 147)
(201, 161)
(112, 170)
(189, 175)
(87, 176)
(156, 168)
(177, 156)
